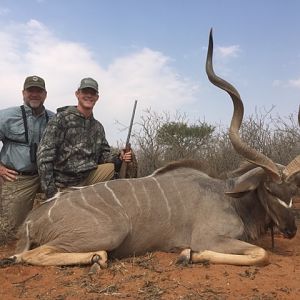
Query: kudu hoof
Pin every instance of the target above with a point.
(97, 264)
(184, 258)
(7, 261)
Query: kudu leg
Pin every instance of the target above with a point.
(231, 252)
(52, 256)
(255, 256)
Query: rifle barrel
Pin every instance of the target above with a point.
(131, 123)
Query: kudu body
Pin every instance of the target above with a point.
(177, 207)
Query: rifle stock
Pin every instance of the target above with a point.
(124, 166)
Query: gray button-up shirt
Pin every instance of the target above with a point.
(15, 152)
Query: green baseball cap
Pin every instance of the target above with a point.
(88, 83)
(37, 81)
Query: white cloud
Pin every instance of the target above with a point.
(4, 11)
(222, 56)
(277, 83)
(146, 75)
(230, 51)
(225, 52)
(294, 83)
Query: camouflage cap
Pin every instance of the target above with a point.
(88, 83)
(36, 81)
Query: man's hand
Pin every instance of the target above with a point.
(126, 156)
(8, 174)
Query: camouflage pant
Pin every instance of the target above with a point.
(16, 199)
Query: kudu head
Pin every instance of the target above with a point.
(275, 185)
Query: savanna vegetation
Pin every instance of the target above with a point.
(161, 138)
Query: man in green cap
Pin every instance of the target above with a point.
(21, 129)
(74, 150)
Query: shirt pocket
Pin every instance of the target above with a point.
(16, 132)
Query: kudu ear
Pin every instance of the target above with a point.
(245, 183)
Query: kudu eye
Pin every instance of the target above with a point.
(268, 188)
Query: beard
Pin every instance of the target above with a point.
(34, 104)
(37, 106)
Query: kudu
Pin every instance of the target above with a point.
(177, 207)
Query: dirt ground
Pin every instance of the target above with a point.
(156, 276)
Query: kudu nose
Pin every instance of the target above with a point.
(289, 233)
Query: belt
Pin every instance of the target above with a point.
(27, 173)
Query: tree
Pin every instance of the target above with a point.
(162, 138)
(181, 140)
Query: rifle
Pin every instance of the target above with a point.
(124, 165)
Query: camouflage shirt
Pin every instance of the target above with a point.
(72, 145)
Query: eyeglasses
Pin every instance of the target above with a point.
(90, 91)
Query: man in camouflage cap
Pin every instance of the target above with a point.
(74, 150)
(21, 128)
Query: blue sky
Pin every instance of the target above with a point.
(153, 51)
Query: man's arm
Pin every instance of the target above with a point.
(105, 154)
(6, 173)
(46, 155)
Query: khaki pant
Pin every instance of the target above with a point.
(17, 197)
(104, 172)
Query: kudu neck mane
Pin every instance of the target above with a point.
(252, 214)
(188, 163)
